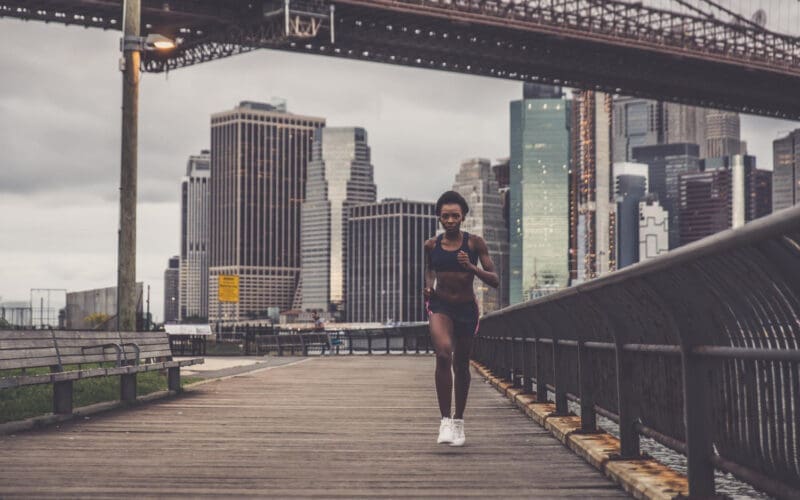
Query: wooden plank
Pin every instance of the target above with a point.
(13, 364)
(320, 428)
(89, 335)
(25, 334)
(26, 353)
(25, 343)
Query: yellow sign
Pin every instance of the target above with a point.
(228, 288)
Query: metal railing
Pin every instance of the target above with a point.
(699, 350)
(386, 340)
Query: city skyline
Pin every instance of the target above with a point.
(65, 118)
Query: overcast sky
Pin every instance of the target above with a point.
(60, 128)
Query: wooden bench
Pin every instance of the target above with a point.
(131, 353)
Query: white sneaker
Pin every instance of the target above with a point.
(458, 432)
(445, 431)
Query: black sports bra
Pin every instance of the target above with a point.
(446, 260)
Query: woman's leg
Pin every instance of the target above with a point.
(463, 349)
(441, 328)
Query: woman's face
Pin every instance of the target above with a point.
(451, 216)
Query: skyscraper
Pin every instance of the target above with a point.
(259, 155)
(723, 134)
(193, 301)
(728, 192)
(476, 182)
(666, 162)
(386, 260)
(653, 228)
(171, 289)
(637, 122)
(539, 193)
(630, 186)
(685, 124)
(786, 171)
(340, 176)
(591, 164)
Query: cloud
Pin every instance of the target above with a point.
(60, 97)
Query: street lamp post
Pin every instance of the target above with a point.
(132, 46)
(126, 250)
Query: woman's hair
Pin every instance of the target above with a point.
(452, 197)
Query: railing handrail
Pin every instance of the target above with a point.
(757, 230)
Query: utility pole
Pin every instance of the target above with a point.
(126, 251)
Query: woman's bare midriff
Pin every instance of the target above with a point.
(455, 287)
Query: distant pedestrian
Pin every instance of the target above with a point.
(450, 268)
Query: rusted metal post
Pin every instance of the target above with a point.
(560, 379)
(588, 416)
(511, 366)
(628, 435)
(527, 366)
(541, 387)
(699, 431)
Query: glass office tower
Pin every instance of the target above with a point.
(539, 193)
(340, 176)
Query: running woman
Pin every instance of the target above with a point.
(450, 268)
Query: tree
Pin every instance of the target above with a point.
(96, 319)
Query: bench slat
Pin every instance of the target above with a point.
(24, 353)
(25, 334)
(14, 364)
(25, 343)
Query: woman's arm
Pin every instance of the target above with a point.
(487, 274)
(430, 274)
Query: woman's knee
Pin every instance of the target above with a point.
(444, 357)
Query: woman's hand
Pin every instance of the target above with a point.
(463, 259)
(427, 292)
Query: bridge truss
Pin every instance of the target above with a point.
(693, 55)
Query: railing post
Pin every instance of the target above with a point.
(386, 334)
(541, 387)
(588, 416)
(280, 347)
(628, 435)
(303, 344)
(559, 380)
(350, 341)
(510, 360)
(697, 419)
(405, 342)
(369, 342)
(527, 366)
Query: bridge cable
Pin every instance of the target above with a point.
(697, 9)
(739, 17)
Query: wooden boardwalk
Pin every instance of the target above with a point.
(348, 426)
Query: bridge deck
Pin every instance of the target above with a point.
(358, 426)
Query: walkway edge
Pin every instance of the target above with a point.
(644, 479)
(43, 421)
